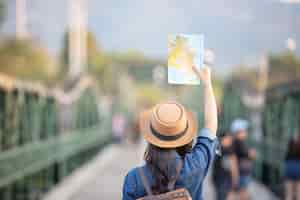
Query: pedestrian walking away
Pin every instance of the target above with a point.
(245, 156)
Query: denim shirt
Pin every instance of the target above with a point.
(195, 168)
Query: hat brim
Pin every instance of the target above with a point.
(151, 138)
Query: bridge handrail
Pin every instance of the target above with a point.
(25, 160)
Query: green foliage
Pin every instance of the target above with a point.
(24, 59)
(95, 59)
(232, 106)
(98, 64)
(246, 76)
(130, 58)
(283, 67)
(149, 94)
(218, 89)
(136, 64)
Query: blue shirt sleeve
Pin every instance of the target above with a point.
(202, 153)
(129, 187)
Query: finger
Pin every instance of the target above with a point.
(195, 69)
(198, 72)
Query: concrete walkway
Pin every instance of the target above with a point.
(102, 178)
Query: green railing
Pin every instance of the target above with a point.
(22, 161)
(45, 135)
(232, 106)
(281, 120)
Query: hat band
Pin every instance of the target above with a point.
(169, 137)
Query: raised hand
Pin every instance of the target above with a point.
(203, 74)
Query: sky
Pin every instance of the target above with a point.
(238, 31)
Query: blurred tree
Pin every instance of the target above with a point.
(136, 64)
(283, 67)
(25, 59)
(149, 95)
(131, 58)
(246, 76)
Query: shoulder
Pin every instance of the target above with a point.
(207, 133)
(132, 178)
(131, 175)
(202, 153)
(206, 139)
(130, 185)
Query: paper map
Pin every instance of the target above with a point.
(184, 50)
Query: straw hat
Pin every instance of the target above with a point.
(168, 125)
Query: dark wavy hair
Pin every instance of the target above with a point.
(162, 165)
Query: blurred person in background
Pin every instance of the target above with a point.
(118, 127)
(292, 169)
(225, 171)
(170, 160)
(245, 156)
(133, 133)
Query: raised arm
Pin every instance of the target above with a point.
(204, 150)
(210, 106)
